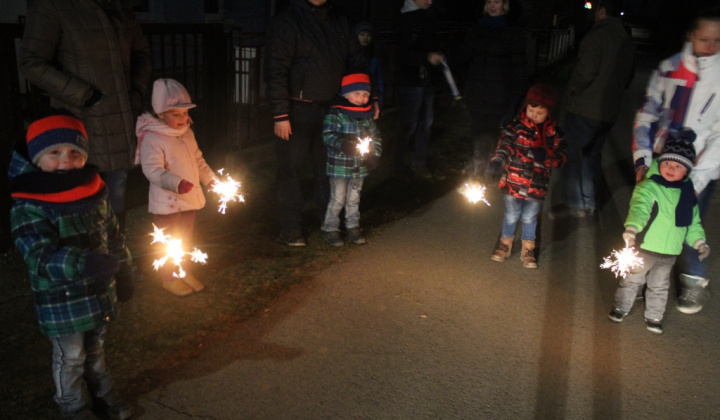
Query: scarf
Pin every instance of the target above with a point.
(147, 123)
(363, 112)
(688, 199)
(73, 190)
(409, 6)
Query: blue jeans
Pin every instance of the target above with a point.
(116, 182)
(689, 263)
(344, 192)
(582, 173)
(416, 117)
(77, 357)
(517, 209)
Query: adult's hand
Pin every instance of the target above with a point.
(640, 174)
(435, 58)
(283, 129)
(377, 111)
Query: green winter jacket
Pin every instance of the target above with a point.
(652, 213)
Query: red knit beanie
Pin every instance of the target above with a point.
(541, 94)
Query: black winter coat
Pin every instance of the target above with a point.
(417, 37)
(308, 50)
(497, 74)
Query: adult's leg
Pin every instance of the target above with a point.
(116, 182)
(426, 116)
(592, 177)
(410, 103)
(577, 134)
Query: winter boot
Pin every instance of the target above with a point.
(693, 294)
(528, 254)
(503, 249)
(177, 287)
(193, 282)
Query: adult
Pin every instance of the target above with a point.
(308, 50)
(497, 77)
(92, 58)
(604, 69)
(684, 93)
(418, 55)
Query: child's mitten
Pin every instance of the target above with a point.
(703, 250)
(184, 187)
(349, 147)
(492, 168)
(101, 267)
(372, 162)
(124, 283)
(629, 236)
(539, 154)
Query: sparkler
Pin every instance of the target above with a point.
(621, 262)
(174, 252)
(475, 193)
(363, 145)
(228, 191)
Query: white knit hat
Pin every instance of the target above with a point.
(169, 94)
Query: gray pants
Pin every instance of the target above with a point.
(655, 271)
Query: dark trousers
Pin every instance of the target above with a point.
(416, 117)
(179, 226)
(306, 121)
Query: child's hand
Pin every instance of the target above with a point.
(101, 267)
(185, 187)
(629, 237)
(349, 147)
(539, 154)
(372, 162)
(703, 251)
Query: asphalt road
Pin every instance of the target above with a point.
(421, 324)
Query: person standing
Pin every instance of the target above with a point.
(92, 58)
(308, 50)
(604, 69)
(684, 93)
(418, 55)
(496, 79)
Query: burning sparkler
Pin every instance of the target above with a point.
(228, 191)
(621, 262)
(363, 145)
(174, 252)
(475, 193)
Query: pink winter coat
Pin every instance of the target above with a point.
(168, 156)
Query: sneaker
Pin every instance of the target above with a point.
(334, 239)
(355, 235)
(616, 315)
(293, 239)
(693, 294)
(654, 325)
(113, 405)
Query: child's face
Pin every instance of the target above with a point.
(423, 4)
(364, 38)
(537, 114)
(175, 118)
(672, 171)
(358, 97)
(61, 158)
(705, 38)
(494, 7)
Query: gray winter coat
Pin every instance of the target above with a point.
(72, 48)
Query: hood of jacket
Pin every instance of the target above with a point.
(409, 6)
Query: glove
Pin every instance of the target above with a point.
(629, 237)
(492, 168)
(101, 267)
(125, 283)
(184, 187)
(372, 162)
(703, 251)
(539, 154)
(349, 147)
(136, 104)
(94, 98)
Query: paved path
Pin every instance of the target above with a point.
(421, 324)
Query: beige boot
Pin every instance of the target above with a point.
(177, 287)
(503, 249)
(528, 254)
(193, 282)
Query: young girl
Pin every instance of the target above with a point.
(530, 146)
(174, 165)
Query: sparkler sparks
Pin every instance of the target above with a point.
(363, 145)
(475, 193)
(621, 262)
(174, 252)
(228, 191)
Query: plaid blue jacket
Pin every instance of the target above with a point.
(337, 127)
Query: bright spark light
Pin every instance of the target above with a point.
(174, 252)
(228, 191)
(363, 145)
(475, 193)
(621, 262)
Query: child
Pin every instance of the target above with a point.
(350, 118)
(529, 147)
(663, 215)
(174, 165)
(64, 227)
(364, 34)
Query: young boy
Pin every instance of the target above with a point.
(663, 215)
(70, 239)
(529, 147)
(350, 119)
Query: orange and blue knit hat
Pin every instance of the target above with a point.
(56, 127)
(353, 82)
